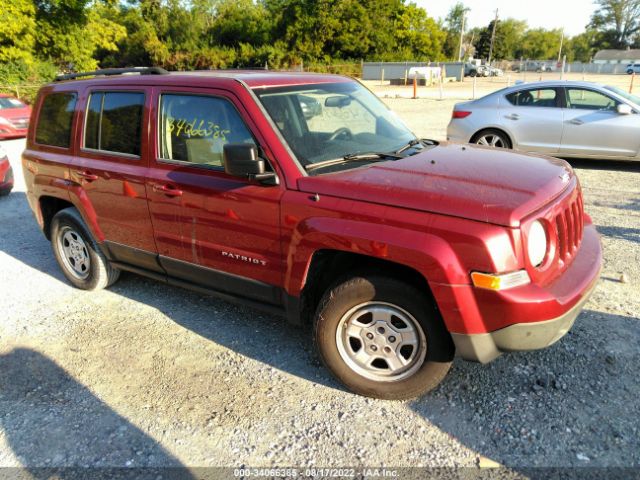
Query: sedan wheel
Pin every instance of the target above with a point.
(492, 138)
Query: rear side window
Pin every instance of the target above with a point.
(114, 122)
(55, 118)
(542, 97)
(195, 128)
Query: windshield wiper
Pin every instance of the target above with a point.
(354, 157)
(415, 142)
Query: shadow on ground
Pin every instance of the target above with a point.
(620, 233)
(22, 238)
(266, 338)
(568, 405)
(615, 165)
(51, 421)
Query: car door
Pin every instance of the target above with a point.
(111, 167)
(533, 117)
(212, 229)
(593, 126)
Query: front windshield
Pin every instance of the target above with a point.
(623, 94)
(328, 121)
(8, 102)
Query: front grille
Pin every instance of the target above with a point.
(569, 228)
(20, 122)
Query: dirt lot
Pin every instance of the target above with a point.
(148, 375)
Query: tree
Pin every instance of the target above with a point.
(418, 36)
(17, 30)
(70, 34)
(618, 21)
(540, 44)
(582, 47)
(453, 25)
(507, 40)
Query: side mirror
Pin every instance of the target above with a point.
(242, 160)
(624, 109)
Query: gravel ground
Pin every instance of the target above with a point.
(144, 374)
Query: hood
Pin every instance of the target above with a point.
(479, 183)
(11, 113)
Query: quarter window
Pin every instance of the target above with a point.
(114, 122)
(582, 99)
(542, 97)
(55, 119)
(195, 128)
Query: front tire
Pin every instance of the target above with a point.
(382, 338)
(78, 254)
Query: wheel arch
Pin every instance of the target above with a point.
(341, 264)
(499, 129)
(48, 207)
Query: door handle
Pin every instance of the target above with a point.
(513, 116)
(576, 121)
(167, 190)
(87, 175)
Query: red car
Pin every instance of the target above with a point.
(6, 174)
(14, 117)
(398, 252)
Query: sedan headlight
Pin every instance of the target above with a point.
(537, 243)
(4, 121)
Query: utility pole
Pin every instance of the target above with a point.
(493, 37)
(561, 42)
(461, 35)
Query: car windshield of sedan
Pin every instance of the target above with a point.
(623, 94)
(8, 102)
(322, 122)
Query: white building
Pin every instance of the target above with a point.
(617, 56)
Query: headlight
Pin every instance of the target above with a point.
(537, 243)
(4, 121)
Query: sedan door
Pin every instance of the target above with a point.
(593, 126)
(533, 117)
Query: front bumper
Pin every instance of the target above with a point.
(9, 131)
(531, 317)
(484, 347)
(459, 130)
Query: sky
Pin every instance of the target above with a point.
(573, 15)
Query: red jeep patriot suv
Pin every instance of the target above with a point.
(304, 195)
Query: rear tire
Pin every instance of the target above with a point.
(78, 254)
(382, 338)
(492, 138)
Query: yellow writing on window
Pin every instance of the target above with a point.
(196, 128)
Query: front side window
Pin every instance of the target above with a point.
(195, 128)
(114, 122)
(582, 99)
(55, 119)
(632, 98)
(542, 97)
(329, 121)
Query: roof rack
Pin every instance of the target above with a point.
(113, 71)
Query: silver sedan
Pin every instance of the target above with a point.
(559, 118)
